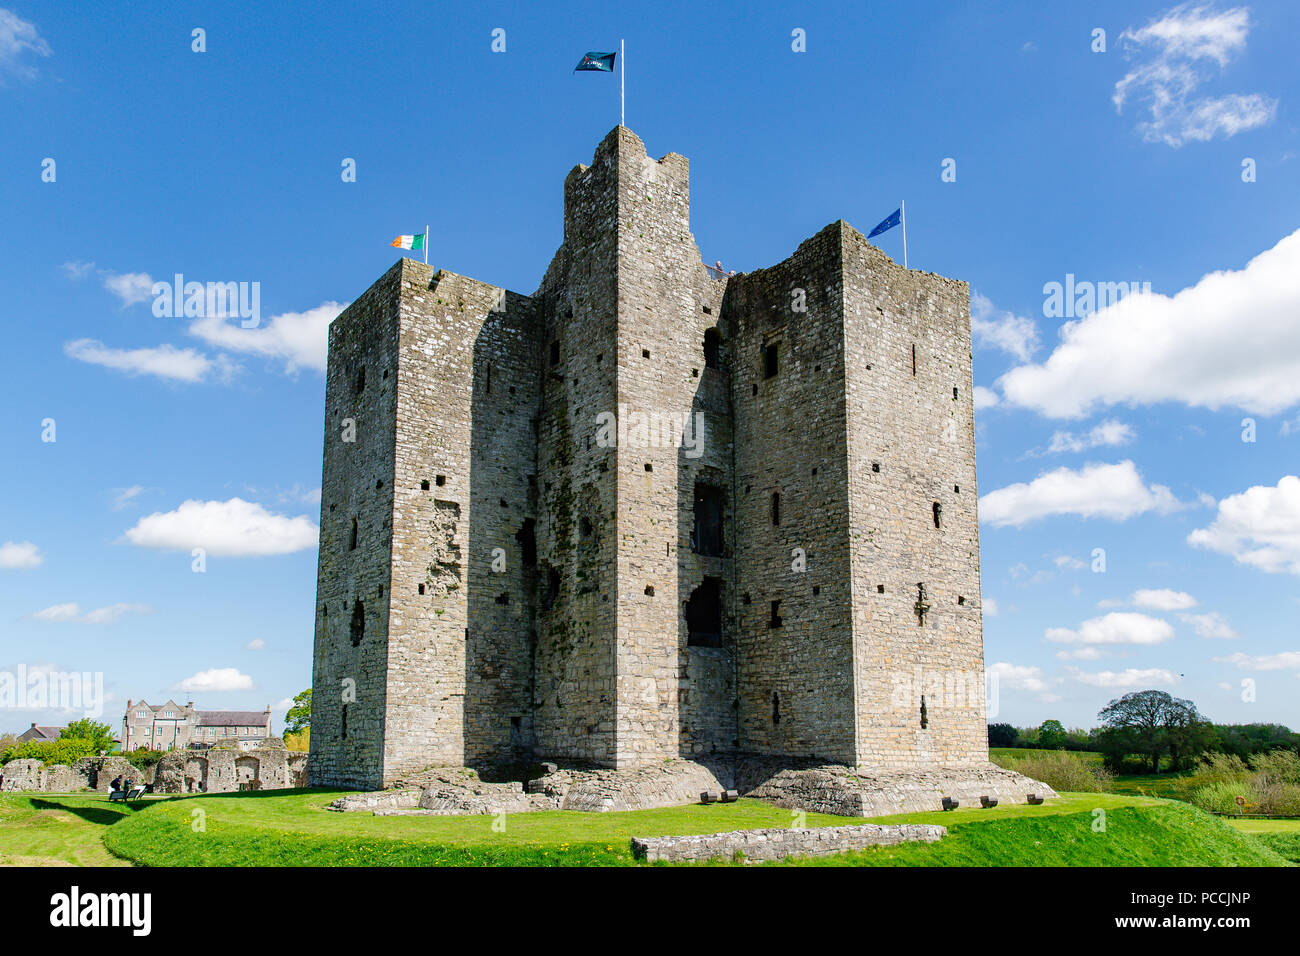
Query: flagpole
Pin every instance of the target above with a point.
(622, 75)
(426, 242)
(902, 208)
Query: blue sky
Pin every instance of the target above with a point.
(1119, 430)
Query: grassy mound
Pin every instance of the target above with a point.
(294, 829)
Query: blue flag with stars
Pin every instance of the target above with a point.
(599, 62)
(886, 224)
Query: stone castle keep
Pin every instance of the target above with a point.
(649, 511)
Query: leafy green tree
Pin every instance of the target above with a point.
(1154, 721)
(1003, 735)
(1051, 735)
(298, 717)
(101, 735)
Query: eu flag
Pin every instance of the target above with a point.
(600, 62)
(886, 224)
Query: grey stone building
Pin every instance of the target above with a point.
(170, 726)
(649, 511)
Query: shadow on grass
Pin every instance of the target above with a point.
(104, 816)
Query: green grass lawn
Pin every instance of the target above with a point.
(1282, 836)
(293, 828)
(41, 830)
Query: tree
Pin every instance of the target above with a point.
(298, 716)
(100, 735)
(1152, 720)
(1002, 735)
(1051, 735)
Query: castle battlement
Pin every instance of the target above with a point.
(645, 513)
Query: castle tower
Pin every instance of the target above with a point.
(648, 511)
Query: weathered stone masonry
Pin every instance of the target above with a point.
(499, 581)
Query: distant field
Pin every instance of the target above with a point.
(998, 754)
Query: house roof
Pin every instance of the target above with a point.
(46, 733)
(233, 718)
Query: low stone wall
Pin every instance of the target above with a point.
(779, 843)
(849, 792)
(222, 770)
(23, 774)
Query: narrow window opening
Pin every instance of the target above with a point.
(744, 599)
(954, 393)
(649, 590)
(755, 387)
(956, 489)
(358, 625)
(440, 480)
(352, 538)
(379, 483)
(712, 348)
(816, 590)
(343, 722)
(776, 707)
(706, 533)
(645, 353)
(487, 385)
(775, 620)
(937, 510)
(527, 538)
(421, 588)
(555, 352)
(914, 358)
(704, 614)
(649, 467)
(880, 589)
(776, 508)
(361, 380)
(960, 599)
(925, 717)
(875, 466)
(770, 359)
(503, 598)
(424, 485)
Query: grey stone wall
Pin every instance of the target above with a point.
(526, 581)
(795, 679)
(777, 844)
(913, 417)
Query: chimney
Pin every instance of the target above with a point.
(33, 725)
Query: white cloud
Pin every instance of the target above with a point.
(1259, 527)
(1069, 563)
(130, 287)
(1162, 599)
(300, 338)
(1086, 652)
(256, 644)
(78, 269)
(1011, 333)
(1212, 625)
(1263, 662)
(234, 528)
(985, 397)
(1019, 677)
(59, 612)
(103, 615)
(164, 361)
(1109, 432)
(1129, 677)
(1227, 341)
(1118, 627)
(19, 554)
(217, 679)
(1094, 491)
(1178, 50)
(17, 39)
(123, 496)
(990, 607)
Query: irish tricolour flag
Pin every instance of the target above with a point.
(410, 242)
